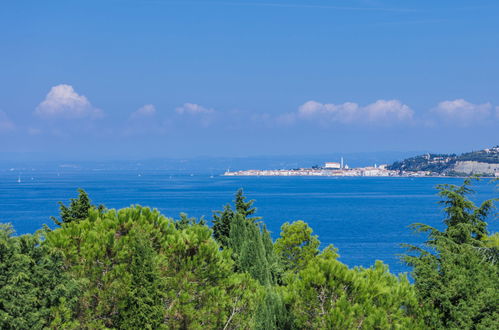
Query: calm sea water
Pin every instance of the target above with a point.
(365, 218)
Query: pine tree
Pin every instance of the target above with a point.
(77, 210)
(32, 282)
(245, 208)
(296, 245)
(454, 278)
(491, 249)
(186, 221)
(326, 294)
(137, 269)
(465, 222)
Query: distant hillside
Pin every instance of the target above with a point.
(490, 156)
(484, 162)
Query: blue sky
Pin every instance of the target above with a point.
(159, 78)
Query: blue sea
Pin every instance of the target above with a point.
(365, 218)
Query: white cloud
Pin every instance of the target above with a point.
(344, 113)
(462, 111)
(147, 110)
(193, 109)
(204, 116)
(145, 121)
(6, 125)
(381, 111)
(63, 102)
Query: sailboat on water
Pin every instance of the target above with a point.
(19, 179)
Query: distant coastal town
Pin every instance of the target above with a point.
(481, 162)
(333, 169)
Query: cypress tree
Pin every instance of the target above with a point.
(222, 220)
(221, 225)
(250, 255)
(253, 253)
(272, 312)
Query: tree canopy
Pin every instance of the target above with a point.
(33, 282)
(454, 274)
(77, 210)
(135, 268)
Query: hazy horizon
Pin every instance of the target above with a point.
(212, 165)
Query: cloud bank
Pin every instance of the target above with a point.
(349, 112)
(193, 109)
(462, 111)
(197, 113)
(380, 112)
(145, 111)
(63, 102)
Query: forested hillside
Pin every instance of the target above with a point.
(486, 156)
(445, 163)
(135, 268)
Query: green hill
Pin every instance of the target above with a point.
(446, 163)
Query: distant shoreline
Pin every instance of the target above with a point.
(353, 176)
(357, 172)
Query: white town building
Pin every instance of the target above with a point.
(332, 165)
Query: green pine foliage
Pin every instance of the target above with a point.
(222, 220)
(245, 207)
(137, 269)
(77, 210)
(328, 295)
(322, 293)
(186, 221)
(296, 246)
(221, 225)
(250, 255)
(252, 250)
(247, 240)
(491, 248)
(32, 282)
(272, 312)
(134, 268)
(455, 277)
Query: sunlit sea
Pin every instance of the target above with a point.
(365, 218)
